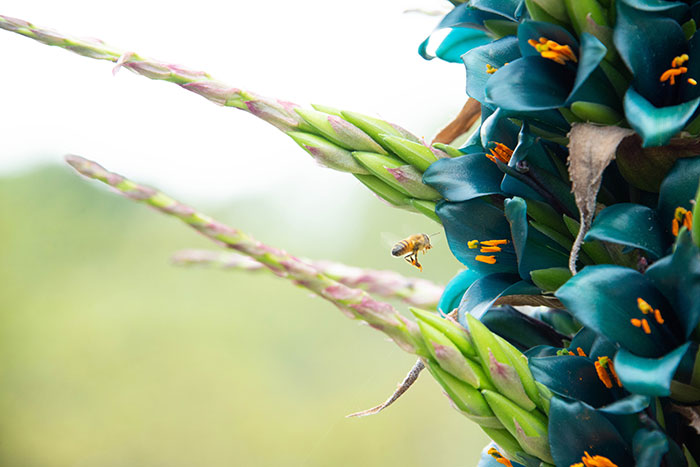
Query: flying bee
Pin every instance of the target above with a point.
(413, 245)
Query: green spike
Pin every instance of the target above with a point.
(397, 174)
(417, 154)
(327, 153)
(339, 131)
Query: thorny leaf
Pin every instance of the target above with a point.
(591, 149)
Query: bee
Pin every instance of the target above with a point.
(413, 245)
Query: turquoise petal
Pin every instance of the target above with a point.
(647, 44)
(575, 427)
(677, 189)
(649, 447)
(486, 290)
(591, 84)
(648, 376)
(676, 10)
(465, 177)
(677, 276)
(533, 249)
(633, 403)
(496, 54)
(454, 290)
(458, 42)
(520, 329)
(656, 125)
(476, 219)
(604, 298)
(572, 377)
(511, 9)
(530, 84)
(629, 224)
(535, 29)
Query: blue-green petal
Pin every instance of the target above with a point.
(647, 44)
(633, 403)
(604, 298)
(677, 189)
(533, 249)
(454, 290)
(675, 10)
(476, 219)
(656, 125)
(591, 85)
(465, 177)
(511, 9)
(677, 276)
(572, 377)
(487, 289)
(575, 427)
(629, 224)
(649, 447)
(649, 376)
(530, 84)
(496, 54)
(458, 42)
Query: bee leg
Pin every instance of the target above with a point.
(409, 258)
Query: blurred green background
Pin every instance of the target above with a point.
(111, 356)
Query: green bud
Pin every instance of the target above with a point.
(385, 192)
(550, 279)
(501, 28)
(376, 127)
(595, 113)
(327, 153)
(447, 149)
(689, 28)
(519, 362)
(396, 173)
(326, 109)
(545, 396)
(555, 8)
(450, 359)
(456, 333)
(465, 398)
(339, 131)
(538, 13)
(427, 208)
(578, 11)
(528, 427)
(417, 154)
(569, 115)
(496, 362)
(504, 440)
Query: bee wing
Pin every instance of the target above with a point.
(390, 239)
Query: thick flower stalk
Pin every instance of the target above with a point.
(387, 284)
(485, 377)
(386, 158)
(353, 302)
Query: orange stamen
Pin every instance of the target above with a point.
(553, 51)
(490, 249)
(473, 244)
(677, 69)
(641, 323)
(603, 375)
(594, 461)
(612, 371)
(643, 306)
(571, 353)
(486, 259)
(494, 242)
(493, 452)
(580, 351)
(657, 316)
(490, 69)
(501, 152)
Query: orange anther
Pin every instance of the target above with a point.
(553, 50)
(677, 69)
(612, 371)
(603, 375)
(490, 249)
(486, 259)
(643, 306)
(580, 351)
(500, 152)
(657, 316)
(494, 242)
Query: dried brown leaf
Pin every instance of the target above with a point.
(591, 149)
(469, 114)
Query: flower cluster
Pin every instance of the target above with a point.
(608, 88)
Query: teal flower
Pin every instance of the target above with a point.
(651, 316)
(664, 95)
(471, 24)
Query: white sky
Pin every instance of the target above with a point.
(358, 55)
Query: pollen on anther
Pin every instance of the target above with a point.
(472, 244)
(490, 259)
(491, 69)
(580, 351)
